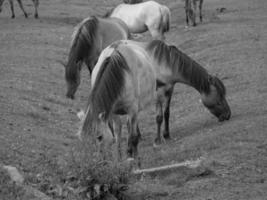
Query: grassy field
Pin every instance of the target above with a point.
(38, 124)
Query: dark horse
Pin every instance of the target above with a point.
(35, 3)
(89, 38)
(191, 9)
(126, 79)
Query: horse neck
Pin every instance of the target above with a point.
(83, 42)
(186, 70)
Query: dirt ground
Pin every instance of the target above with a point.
(38, 124)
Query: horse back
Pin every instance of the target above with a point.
(142, 76)
(111, 29)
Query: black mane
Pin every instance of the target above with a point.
(109, 84)
(81, 46)
(181, 63)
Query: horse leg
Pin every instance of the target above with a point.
(187, 11)
(200, 10)
(133, 139)
(22, 8)
(194, 11)
(159, 119)
(117, 135)
(12, 8)
(36, 4)
(166, 133)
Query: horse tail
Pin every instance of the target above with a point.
(108, 81)
(82, 42)
(166, 18)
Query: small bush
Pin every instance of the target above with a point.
(83, 176)
(90, 176)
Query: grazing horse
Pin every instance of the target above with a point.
(35, 3)
(147, 16)
(129, 75)
(89, 38)
(191, 12)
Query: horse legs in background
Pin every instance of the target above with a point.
(12, 8)
(200, 10)
(163, 98)
(189, 12)
(36, 4)
(21, 7)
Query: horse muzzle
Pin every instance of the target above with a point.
(224, 116)
(70, 96)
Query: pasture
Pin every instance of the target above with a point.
(38, 123)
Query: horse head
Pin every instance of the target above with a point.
(215, 100)
(73, 78)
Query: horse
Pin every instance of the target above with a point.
(132, 1)
(191, 12)
(35, 3)
(146, 16)
(89, 38)
(129, 75)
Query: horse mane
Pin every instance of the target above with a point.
(83, 39)
(109, 84)
(218, 84)
(180, 63)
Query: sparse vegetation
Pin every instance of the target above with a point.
(84, 176)
(8, 188)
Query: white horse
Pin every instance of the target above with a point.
(35, 3)
(146, 16)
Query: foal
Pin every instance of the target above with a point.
(191, 12)
(35, 3)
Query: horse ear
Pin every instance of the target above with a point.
(101, 116)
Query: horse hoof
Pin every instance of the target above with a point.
(69, 96)
(166, 136)
(13, 16)
(36, 16)
(158, 142)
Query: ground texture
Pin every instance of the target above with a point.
(38, 124)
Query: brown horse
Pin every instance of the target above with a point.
(129, 76)
(191, 9)
(35, 3)
(89, 38)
